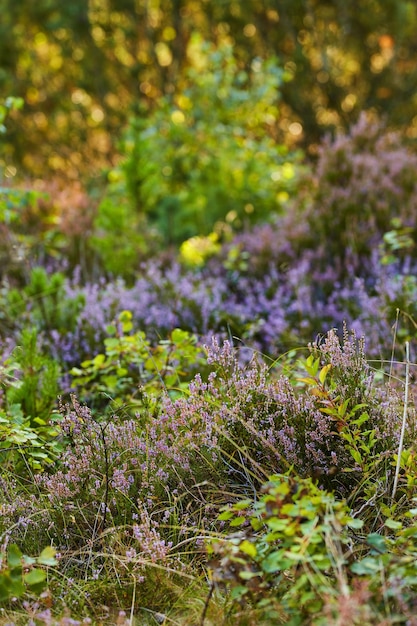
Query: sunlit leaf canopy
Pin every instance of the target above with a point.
(83, 67)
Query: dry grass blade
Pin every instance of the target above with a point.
(400, 445)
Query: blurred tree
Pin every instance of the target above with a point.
(207, 154)
(82, 66)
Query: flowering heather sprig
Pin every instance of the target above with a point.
(150, 543)
(363, 180)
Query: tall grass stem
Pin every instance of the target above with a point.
(400, 445)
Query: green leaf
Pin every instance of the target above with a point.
(276, 562)
(47, 556)
(241, 505)
(238, 591)
(343, 408)
(355, 523)
(366, 566)
(248, 548)
(376, 541)
(393, 524)
(35, 577)
(14, 556)
(98, 360)
(238, 521)
(125, 316)
(364, 417)
(179, 336)
(308, 380)
(323, 373)
(225, 516)
(5, 586)
(277, 524)
(356, 455)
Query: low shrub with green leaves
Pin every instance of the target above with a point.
(298, 555)
(131, 367)
(29, 386)
(20, 573)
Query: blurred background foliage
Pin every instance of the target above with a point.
(135, 124)
(84, 67)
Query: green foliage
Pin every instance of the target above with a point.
(10, 104)
(206, 154)
(119, 237)
(42, 303)
(195, 251)
(29, 381)
(12, 204)
(397, 242)
(343, 60)
(131, 369)
(18, 246)
(21, 574)
(350, 420)
(298, 551)
(35, 387)
(290, 539)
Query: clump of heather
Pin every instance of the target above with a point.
(247, 422)
(363, 181)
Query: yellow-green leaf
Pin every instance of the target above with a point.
(248, 548)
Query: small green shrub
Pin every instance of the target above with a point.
(41, 303)
(296, 552)
(131, 369)
(29, 382)
(21, 574)
(285, 544)
(120, 237)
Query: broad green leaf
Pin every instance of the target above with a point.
(238, 591)
(276, 562)
(376, 541)
(5, 586)
(98, 360)
(47, 556)
(125, 316)
(248, 548)
(14, 556)
(393, 524)
(366, 566)
(225, 516)
(35, 577)
(355, 523)
(241, 505)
